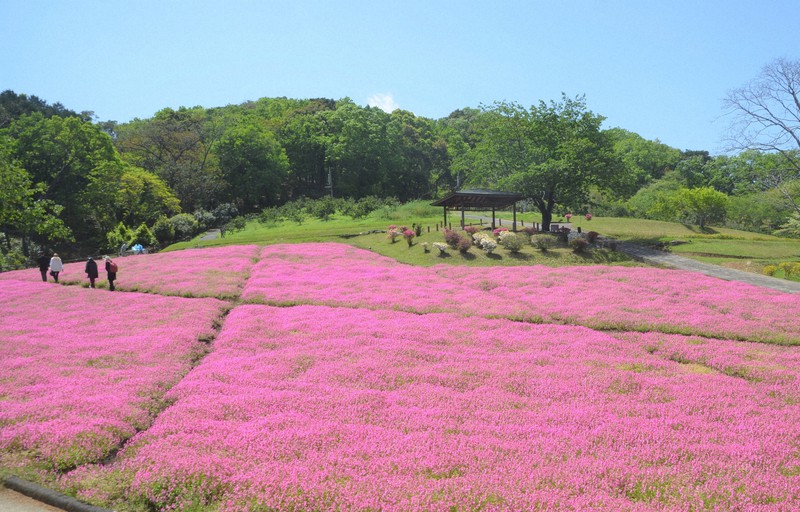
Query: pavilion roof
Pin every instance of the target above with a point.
(479, 198)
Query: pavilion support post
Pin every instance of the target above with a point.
(493, 226)
(514, 223)
(445, 216)
(462, 217)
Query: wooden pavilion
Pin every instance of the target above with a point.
(480, 199)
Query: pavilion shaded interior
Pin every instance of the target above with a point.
(480, 200)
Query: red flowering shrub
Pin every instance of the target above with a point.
(451, 238)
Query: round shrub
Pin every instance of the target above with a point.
(451, 238)
(579, 245)
(118, 236)
(511, 241)
(543, 242)
(142, 235)
(185, 226)
(163, 230)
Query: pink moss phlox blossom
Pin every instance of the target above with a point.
(638, 299)
(210, 272)
(316, 408)
(81, 370)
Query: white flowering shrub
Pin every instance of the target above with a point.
(511, 241)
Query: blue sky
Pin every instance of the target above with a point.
(658, 68)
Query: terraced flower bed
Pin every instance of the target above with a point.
(347, 381)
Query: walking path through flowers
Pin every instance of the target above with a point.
(331, 378)
(666, 259)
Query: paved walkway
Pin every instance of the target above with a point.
(17, 495)
(211, 234)
(666, 259)
(12, 501)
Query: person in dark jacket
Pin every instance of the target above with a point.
(91, 271)
(44, 265)
(112, 274)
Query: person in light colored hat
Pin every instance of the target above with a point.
(111, 269)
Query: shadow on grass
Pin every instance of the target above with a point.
(443, 255)
(467, 256)
(704, 231)
(494, 256)
(550, 255)
(520, 256)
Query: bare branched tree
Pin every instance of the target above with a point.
(766, 118)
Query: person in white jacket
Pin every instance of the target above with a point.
(56, 266)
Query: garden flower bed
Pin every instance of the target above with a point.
(214, 272)
(619, 298)
(83, 370)
(316, 408)
(344, 380)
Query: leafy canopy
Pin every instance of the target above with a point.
(554, 153)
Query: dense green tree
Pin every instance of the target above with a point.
(254, 167)
(417, 154)
(13, 106)
(645, 160)
(176, 145)
(71, 163)
(143, 197)
(699, 206)
(22, 216)
(762, 212)
(553, 153)
(651, 202)
(305, 136)
(791, 228)
(460, 132)
(359, 150)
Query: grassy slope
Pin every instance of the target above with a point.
(722, 246)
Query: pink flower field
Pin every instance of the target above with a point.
(82, 370)
(343, 380)
(619, 298)
(214, 272)
(316, 408)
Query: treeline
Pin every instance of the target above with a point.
(74, 184)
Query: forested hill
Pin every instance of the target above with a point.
(67, 180)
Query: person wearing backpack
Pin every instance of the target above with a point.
(112, 269)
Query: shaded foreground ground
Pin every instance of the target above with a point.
(343, 380)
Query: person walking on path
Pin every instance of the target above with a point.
(44, 264)
(111, 268)
(91, 271)
(56, 266)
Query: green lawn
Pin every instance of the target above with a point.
(722, 246)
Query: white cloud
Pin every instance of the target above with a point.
(384, 101)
